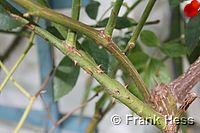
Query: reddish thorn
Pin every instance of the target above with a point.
(70, 49)
(126, 86)
(77, 53)
(75, 62)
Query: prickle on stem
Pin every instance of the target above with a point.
(99, 70)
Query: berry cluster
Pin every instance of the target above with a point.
(192, 8)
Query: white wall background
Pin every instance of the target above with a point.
(28, 73)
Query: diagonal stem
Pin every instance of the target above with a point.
(20, 59)
(112, 87)
(97, 36)
(112, 19)
(145, 15)
(21, 89)
(129, 9)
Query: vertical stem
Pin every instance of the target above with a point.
(176, 33)
(112, 19)
(145, 15)
(71, 36)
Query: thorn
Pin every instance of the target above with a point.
(113, 100)
(126, 86)
(131, 45)
(128, 97)
(99, 70)
(70, 49)
(99, 66)
(88, 71)
(117, 91)
(85, 72)
(26, 14)
(76, 52)
(75, 62)
(101, 33)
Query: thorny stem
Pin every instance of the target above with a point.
(71, 36)
(21, 89)
(99, 37)
(112, 19)
(129, 9)
(184, 83)
(112, 87)
(132, 72)
(145, 15)
(113, 47)
(99, 112)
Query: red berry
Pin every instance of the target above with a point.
(195, 4)
(191, 9)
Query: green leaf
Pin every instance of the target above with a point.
(100, 56)
(149, 38)
(92, 9)
(42, 2)
(65, 78)
(135, 91)
(122, 41)
(121, 23)
(61, 29)
(173, 49)
(192, 32)
(195, 54)
(139, 59)
(156, 72)
(53, 30)
(6, 21)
